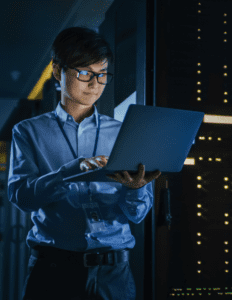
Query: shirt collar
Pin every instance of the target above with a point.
(63, 115)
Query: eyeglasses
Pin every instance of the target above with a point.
(86, 76)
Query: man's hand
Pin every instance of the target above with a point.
(94, 162)
(135, 181)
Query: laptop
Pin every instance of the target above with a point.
(158, 137)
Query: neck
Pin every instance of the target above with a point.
(79, 112)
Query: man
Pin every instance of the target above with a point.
(81, 238)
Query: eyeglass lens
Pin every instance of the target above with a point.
(103, 78)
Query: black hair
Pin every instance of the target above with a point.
(80, 47)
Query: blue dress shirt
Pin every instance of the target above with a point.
(39, 160)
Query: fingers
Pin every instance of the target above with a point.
(97, 163)
(86, 165)
(92, 166)
(94, 162)
(103, 159)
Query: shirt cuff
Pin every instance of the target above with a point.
(134, 192)
(72, 167)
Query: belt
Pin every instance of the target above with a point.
(88, 259)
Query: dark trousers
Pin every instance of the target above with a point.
(56, 274)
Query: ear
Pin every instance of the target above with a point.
(56, 71)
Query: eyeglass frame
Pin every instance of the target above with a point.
(94, 74)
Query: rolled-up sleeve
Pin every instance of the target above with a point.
(27, 189)
(136, 203)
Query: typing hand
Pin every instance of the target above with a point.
(135, 181)
(94, 162)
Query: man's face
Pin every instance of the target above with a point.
(74, 89)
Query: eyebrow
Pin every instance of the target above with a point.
(92, 69)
